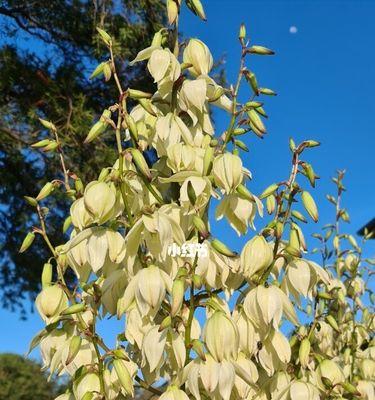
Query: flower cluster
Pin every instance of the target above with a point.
(209, 325)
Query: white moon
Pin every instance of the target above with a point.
(293, 30)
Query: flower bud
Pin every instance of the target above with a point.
(47, 124)
(242, 33)
(260, 50)
(331, 321)
(140, 163)
(50, 302)
(268, 191)
(197, 8)
(221, 248)
(27, 242)
(310, 206)
(99, 127)
(199, 55)
(178, 290)
(74, 309)
(46, 275)
(74, 347)
(267, 92)
(227, 171)
(221, 337)
(256, 255)
(105, 37)
(304, 352)
(172, 10)
(45, 191)
(124, 377)
(256, 122)
(207, 160)
(200, 226)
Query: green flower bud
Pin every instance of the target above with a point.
(124, 377)
(140, 163)
(269, 190)
(74, 309)
(74, 347)
(46, 275)
(27, 242)
(310, 206)
(260, 50)
(178, 290)
(222, 248)
(304, 352)
(45, 191)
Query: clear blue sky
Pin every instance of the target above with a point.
(324, 75)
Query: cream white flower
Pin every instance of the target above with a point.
(89, 383)
(163, 65)
(221, 337)
(100, 200)
(256, 256)
(301, 278)
(148, 289)
(239, 212)
(199, 55)
(328, 371)
(169, 130)
(266, 305)
(50, 302)
(174, 393)
(216, 378)
(227, 171)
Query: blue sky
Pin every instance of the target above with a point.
(326, 85)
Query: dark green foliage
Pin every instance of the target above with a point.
(48, 51)
(22, 379)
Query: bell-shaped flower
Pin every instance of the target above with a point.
(301, 278)
(217, 379)
(112, 288)
(215, 268)
(181, 157)
(266, 305)
(221, 336)
(105, 246)
(174, 393)
(169, 130)
(88, 383)
(153, 347)
(50, 302)
(78, 261)
(192, 97)
(148, 289)
(159, 230)
(199, 55)
(80, 216)
(329, 373)
(256, 255)
(197, 188)
(300, 390)
(248, 337)
(275, 352)
(100, 200)
(163, 65)
(227, 172)
(239, 212)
